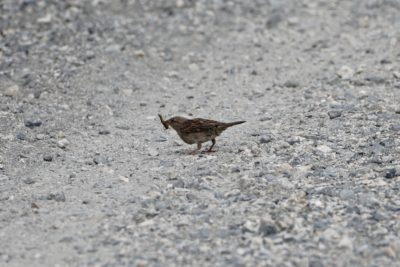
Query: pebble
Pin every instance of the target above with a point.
(273, 20)
(63, 143)
(264, 139)
(59, 196)
(291, 84)
(345, 72)
(33, 123)
(100, 159)
(324, 148)
(333, 114)
(40, 136)
(12, 91)
(20, 136)
(375, 79)
(153, 152)
(113, 48)
(47, 157)
(28, 180)
(267, 228)
(395, 127)
(391, 173)
(379, 216)
(345, 242)
(104, 132)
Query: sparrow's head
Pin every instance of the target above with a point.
(176, 122)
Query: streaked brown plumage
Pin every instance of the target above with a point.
(197, 131)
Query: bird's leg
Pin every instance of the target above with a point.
(197, 149)
(213, 143)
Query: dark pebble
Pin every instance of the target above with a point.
(291, 84)
(37, 94)
(267, 229)
(265, 139)
(273, 20)
(33, 123)
(20, 136)
(28, 180)
(47, 157)
(333, 114)
(391, 173)
(104, 132)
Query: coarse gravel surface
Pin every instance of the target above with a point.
(89, 176)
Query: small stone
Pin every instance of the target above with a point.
(273, 20)
(346, 242)
(379, 216)
(235, 169)
(90, 55)
(153, 152)
(291, 84)
(180, 3)
(391, 173)
(321, 224)
(324, 148)
(63, 143)
(100, 159)
(104, 132)
(124, 178)
(20, 136)
(59, 197)
(40, 136)
(265, 139)
(267, 228)
(375, 79)
(292, 21)
(345, 72)
(333, 114)
(12, 91)
(37, 94)
(28, 180)
(47, 157)
(139, 53)
(33, 123)
(395, 127)
(45, 19)
(113, 48)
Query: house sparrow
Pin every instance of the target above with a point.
(197, 131)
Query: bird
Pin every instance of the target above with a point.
(198, 130)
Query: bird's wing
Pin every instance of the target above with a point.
(199, 125)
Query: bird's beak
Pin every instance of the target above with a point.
(165, 123)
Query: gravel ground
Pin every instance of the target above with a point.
(89, 177)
